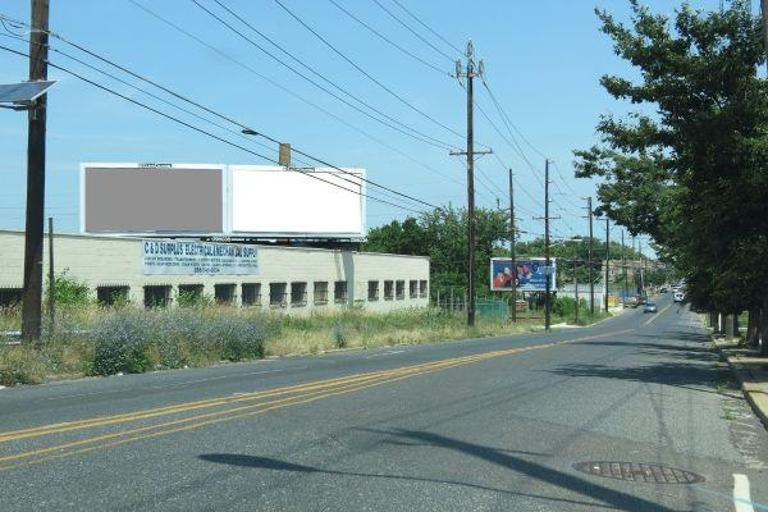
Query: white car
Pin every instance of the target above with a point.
(679, 297)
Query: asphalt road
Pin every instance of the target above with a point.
(495, 424)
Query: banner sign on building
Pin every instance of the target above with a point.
(531, 274)
(168, 257)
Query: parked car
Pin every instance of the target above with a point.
(664, 289)
(650, 307)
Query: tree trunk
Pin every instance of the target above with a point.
(753, 327)
(729, 326)
(764, 327)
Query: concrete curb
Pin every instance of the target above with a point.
(754, 390)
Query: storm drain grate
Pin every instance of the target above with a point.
(639, 472)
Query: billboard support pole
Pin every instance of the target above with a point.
(512, 240)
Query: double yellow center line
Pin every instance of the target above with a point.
(197, 414)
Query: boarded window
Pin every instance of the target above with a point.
(389, 290)
(277, 295)
(251, 294)
(413, 289)
(190, 294)
(340, 291)
(399, 290)
(298, 294)
(112, 295)
(321, 292)
(373, 291)
(157, 296)
(224, 293)
(10, 297)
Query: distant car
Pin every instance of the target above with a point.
(650, 307)
(663, 289)
(679, 297)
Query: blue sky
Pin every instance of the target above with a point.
(543, 60)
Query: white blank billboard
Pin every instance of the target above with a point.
(289, 202)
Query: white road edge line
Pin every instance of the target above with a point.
(742, 501)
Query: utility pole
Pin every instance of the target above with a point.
(31, 311)
(547, 299)
(51, 276)
(589, 259)
(624, 267)
(512, 241)
(470, 153)
(576, 289)
(607, 258)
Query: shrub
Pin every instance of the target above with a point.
(68, 291)
(19, 365)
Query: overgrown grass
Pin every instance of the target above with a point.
(90, 340)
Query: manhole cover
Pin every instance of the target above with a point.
(638, 472)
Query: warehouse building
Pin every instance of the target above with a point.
(156, 271)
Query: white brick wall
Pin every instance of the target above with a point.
(105, 261)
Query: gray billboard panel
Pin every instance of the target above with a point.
(149, 200)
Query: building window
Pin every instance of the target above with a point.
(423, 289)
(190, 294)
(399, 290)
(298, 294)
(413, 289)
(389, 290)
(157, 296)
(277, 295)
(224, 293)
(10, 297)
(340, 291)
(111, 295)
(321, 292)
(250, 294)
(373, 291)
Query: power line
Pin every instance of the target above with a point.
(217, 114)
(295, 95)
(198, 129)
(390, 41)
(408, 27)
(363, 71)
(420, 22)
(401, 127)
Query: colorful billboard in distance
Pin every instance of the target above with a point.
(530, 273)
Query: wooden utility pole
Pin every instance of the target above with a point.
(589, 260)
(51, 276)
(512, 241)
(31, 311)
(470, 74)
(607, 259)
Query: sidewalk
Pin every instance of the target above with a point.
(751, 370)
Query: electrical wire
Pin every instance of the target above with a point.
(423, 24)
(412, 31)
(359, 68)
(222, 116)
(401, 127)
(198, 129)
(293, 94)
(389, 41)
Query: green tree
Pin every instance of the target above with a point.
(689, 168)
(442, 235)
